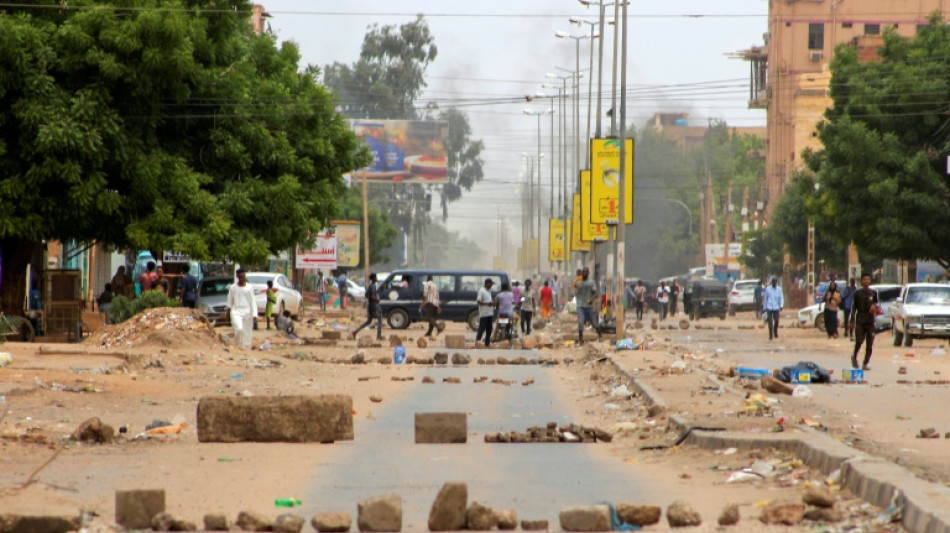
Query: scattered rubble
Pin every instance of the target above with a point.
(551, 433)
(160, 326)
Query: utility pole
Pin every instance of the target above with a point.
(620, 259)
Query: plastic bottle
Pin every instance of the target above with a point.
(399, 354)
(287, 502)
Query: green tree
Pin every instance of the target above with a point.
(465, 158)
(789, 225)
(885, 141)
(381, 232)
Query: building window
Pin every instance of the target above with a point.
(872, 29)
(846, 24)
(816, 36)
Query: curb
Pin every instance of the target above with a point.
(655, 405)
(874, 480)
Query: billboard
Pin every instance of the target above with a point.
(556, 240)
(404, 150)
(322, 256)
(577, 244)
(605, 183)
(589, 231)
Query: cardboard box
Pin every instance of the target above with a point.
(800, 376)
(852, 374)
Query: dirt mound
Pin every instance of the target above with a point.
(165, 327)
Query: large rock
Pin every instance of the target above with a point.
(422, 342)
(93, 430)
(783, 512)
(681, 514)
(169, 522)
(534, 525)
(819, 496)
(729, 516)
(506, 519)
(441, 358)
(324, 418)
(289, 523)
(529, 343)
(459, 358)
(217, 522)
(380, 513)
(639, 515)
(331, 522)
(775, 386)
(448, 509)
(455, 342)
(331, 335)
(365, 342)
(441, 428)
(824, 514)
(587, 518)
(13, 523)
(251, 521)
(134, 509)
(480, 517)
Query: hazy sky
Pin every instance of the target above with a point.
(493, 48)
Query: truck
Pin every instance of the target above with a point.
(922, 311)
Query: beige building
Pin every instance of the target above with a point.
(790, 76)
(259, 15)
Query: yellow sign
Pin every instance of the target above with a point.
(348, 245)
(577, 245)
(604, 202)
(556, 240)
(590, 231)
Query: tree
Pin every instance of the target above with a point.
(465, 161)
(789, 224)
(170, 128)
(885, 141)
(381, 232)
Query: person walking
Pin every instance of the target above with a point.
(242, 309)
(847, 304)
(640, 298)
(674, 297)
(832, 300)
(663, 299)
(586, 294)
(547, 300)
(529, 300)
(373, 309)
(431, 306)
(554, 293)
(757, 299)
(341, 286)
(322, 290)
(189, 288)
(105, 303)
(773, 301)
(486, 312)
(271, 301)
(866, 305)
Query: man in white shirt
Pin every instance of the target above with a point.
(242, 308)
(431, 305)
(486, 312)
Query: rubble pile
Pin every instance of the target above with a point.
(551, 433)
(160, 326)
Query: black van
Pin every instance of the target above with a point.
(400, 294)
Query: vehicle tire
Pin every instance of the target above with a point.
(820, 321)
(897, 335)
(19, 329)
(473, 320)
(732, 310)
(299, 313)
(908, 340)
(398, 319)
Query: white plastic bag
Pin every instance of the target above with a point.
(801, 391)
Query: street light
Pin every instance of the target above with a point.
(563, 152)
(590, 81)
(577, 108)
(539, 114)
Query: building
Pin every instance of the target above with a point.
(676, 127)
(790, 76)
(258, 16)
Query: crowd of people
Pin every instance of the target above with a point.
(152, 279)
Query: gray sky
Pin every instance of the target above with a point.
(494, 48)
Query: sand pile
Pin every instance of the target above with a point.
(167, 327)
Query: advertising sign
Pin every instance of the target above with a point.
(716, 255)
(404, 150)
(590, 231)
(605, 183)
(556, 240)
(577, 244)
(323, 255)
(348, 243)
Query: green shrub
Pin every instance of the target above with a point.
(123, 309)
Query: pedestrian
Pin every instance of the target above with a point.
(373, 310)
(160, 283)
(147, 279)
(547, 300)
(773, 301)
(188, 295)
(341, 286)
(516, 293)
(663, 298)
(554, 293)
(640, 296)
(242, 309)
(586, 293)
(105, 302)
(528, 302)
(122, 284)
(832, 300)
(847, 304)
(486, 312)
(757, 298)
(674, 297)
(271, 298)
(630, 296)
(431, 306)
(505, 303)
(322, 286)
(687, 297)
(866, 305)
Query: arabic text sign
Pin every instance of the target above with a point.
(323, 255)
(348, 244)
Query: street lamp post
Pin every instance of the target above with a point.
(590, 79)
(537, 198)
(620, 256)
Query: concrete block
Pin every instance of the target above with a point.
(324, 418)
(331, 522)
(587, 518)
(331, 335)
(134, 509)
(380, 513)
(448, 509)
(455, 342)
(441, 428)
(13, 523)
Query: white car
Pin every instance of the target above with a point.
(921, 312)
(742, 296)
(354, 291)
(815, 314)
(288, 298)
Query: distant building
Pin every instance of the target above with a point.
(789, 73)
(258, 16)
(676, 127)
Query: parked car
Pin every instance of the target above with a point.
(708, 298)
(400, 294)
(288, 297)
(354, 291)
(922, 311)
(212, 298)
(815, 314)
(742, 296)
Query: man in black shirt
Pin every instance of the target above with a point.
(373, 310)
(864, 308)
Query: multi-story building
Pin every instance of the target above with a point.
(790, 76)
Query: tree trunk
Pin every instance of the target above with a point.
(15, 255)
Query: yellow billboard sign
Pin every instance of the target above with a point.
(577, 244)
(604, 201)
(556, 240)
(590, 230)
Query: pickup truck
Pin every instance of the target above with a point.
(922, 311)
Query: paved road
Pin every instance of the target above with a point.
(537, 480)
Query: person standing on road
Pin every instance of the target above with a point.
(486, 312)
(322, 290)
(527, 307)
(831, 299)
(640, 297)
(431, 306)
(586, 293)
(373, 310)
(866, 306)
(773, 301)
(757, 298)
(242, 309)
(270, 302)
(554, 293)
(341, 286)
(674, 296)
(663, 298)
(847, 304)
(505, 302)
(547, 300)
(189, 288)
(148, 277)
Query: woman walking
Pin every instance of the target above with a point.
(831, 299)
